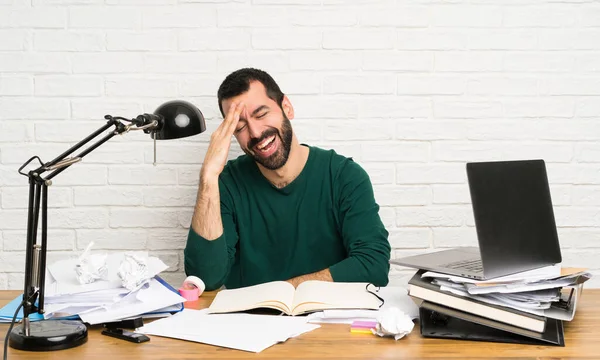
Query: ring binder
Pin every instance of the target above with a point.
(562, 303)
(438, 321)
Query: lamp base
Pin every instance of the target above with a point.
(49, 335)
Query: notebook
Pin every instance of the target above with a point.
(310, 296)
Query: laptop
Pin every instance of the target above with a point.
(514, 221)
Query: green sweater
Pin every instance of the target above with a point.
(326, 218)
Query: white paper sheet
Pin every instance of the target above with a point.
(100, 296)
(497, 301)
(244, 332)
(342, 316)
(545, 309)
(538, 285)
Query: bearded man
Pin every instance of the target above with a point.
(284, 210)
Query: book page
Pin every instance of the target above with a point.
(320, 295)
(277, 295)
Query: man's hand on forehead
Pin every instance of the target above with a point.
(220, 140)
(233, 117)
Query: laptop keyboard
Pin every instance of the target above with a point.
(473, 265)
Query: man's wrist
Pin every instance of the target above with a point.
(323, 275)
(208, 183)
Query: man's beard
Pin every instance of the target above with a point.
(280, 157)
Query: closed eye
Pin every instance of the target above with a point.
(240, 128)
(262, 115)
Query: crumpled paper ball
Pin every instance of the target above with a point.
(133, 271)
(91, 268)
(393, 322)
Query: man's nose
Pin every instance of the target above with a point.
(253, 130)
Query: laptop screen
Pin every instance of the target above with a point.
(513, 215)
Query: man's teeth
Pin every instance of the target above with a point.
(265, 143)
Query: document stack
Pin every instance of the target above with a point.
(103, 300)
(526, 308)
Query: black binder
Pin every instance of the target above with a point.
(438, 321)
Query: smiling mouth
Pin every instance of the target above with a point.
(265, 145)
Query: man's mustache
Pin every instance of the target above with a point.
(266, 134)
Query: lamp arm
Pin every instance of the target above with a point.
(35, 255)
(172, 120)
(79, 156)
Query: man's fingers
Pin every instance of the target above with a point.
(235, 119)
(220, 129)
(226, 121)
(231, 113)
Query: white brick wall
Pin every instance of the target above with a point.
(411, 89)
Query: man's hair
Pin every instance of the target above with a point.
(238, 82)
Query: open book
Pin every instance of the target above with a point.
(308, 297)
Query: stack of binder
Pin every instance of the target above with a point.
(520, 312)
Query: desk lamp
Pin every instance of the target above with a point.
(171, 120)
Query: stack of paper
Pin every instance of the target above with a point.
(236, 331)
(155, 297)
(107, 300)
(103, 300)
(550, 292)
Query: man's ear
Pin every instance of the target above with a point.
(288, 109)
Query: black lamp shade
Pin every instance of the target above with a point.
(179, 119)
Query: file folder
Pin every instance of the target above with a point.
(438, 321)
